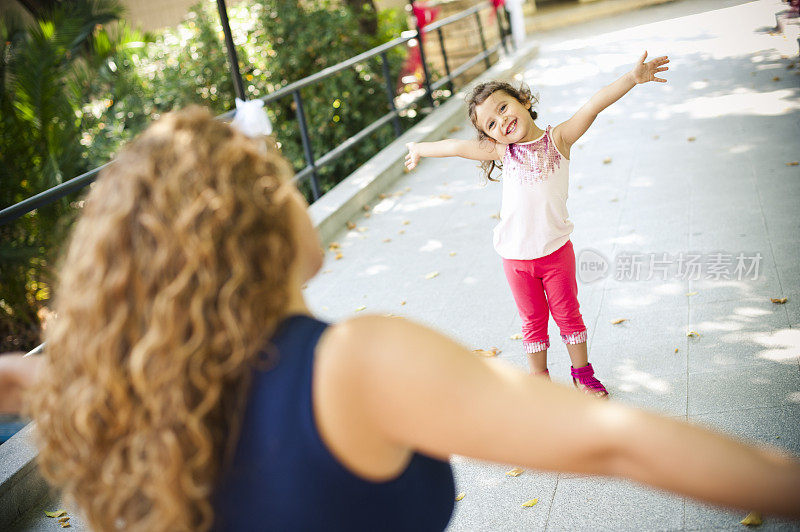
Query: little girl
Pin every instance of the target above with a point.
(533, 234)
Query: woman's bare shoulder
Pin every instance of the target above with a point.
(365, 333)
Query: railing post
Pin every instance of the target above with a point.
(508, 26)
(444, 56)
(483, 40)
(387, 76)
(238, 86)
(501, 29)
(427, 81)
(301, 118)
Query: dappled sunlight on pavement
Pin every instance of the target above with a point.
(699, 166)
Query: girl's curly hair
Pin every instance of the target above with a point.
(479, 94)
(174, 279)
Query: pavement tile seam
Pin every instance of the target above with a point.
(766, 225)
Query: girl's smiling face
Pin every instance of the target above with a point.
(505, 119)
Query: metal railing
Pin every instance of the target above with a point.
(313, 163)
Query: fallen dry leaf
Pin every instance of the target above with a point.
(57, 513)
(780, 301)
(460, 496)
(752, 519)
(334, 245)
(382, 196)
(66, 525)
(406, 222)
(690, 294)
(517, 336)
(64, 519)
(793, 163)
(618, 321)
(693, 334)
(452, 253)
(362, 307)
(387, 240)
(776, 78)
(366, 208)
(496, 216)
(493, 352)
(402, 303)
(454, 129)
(339, 256)
(445, 196)
(401, 232)
(691, 139)
(515, 472)
(607, 160)
(432, 275)
(367, 215)
(351, 225)
(530, 503)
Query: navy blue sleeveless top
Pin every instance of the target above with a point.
(283, 477)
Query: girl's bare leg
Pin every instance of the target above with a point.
(538, 361)
(578, 354)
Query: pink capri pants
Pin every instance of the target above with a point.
(547, 283)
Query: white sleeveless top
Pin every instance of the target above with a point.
(534, 221)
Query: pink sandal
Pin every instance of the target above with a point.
(584, 379)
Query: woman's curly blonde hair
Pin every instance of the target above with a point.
(175, 277)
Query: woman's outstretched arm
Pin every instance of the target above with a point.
(399, 386)
(17, 375)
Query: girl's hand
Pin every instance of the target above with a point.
(644, 72)
(413, 156)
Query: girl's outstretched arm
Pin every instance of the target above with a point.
(386, 386)
(567, 133)
(477, 150)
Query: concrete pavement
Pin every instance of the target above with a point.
(425, 253)
(698, 172)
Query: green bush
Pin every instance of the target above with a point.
(40, 133)
(76, 88)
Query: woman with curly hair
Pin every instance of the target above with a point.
(187, 386)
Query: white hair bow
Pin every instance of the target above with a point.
(251, 118)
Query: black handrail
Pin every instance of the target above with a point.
(46, 197)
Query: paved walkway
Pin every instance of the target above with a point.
(697, 166)
(727, 191)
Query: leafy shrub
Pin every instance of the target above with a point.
(76, 88)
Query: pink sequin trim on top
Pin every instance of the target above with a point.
(533, 162)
